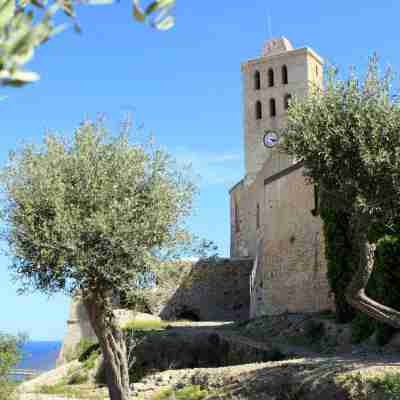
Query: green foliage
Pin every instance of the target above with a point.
(313, 330)
(383, 285)
(85, 348)
(78, 377)
(338, 255)
(10, 354)
(92, 213)
(390, 383)
(192, 392)
(61, 389)
(348, 138)
(361, 328)
(362, 386)
(26, 24)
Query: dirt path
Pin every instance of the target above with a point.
(305, 373)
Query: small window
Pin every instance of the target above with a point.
(284, 75)
(272, 107)
(316, 70)
(286, 101)
(258, 110)
(236, 218)
(257, 80)
(270, 77)
(258, 216)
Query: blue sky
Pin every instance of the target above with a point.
(184, 86)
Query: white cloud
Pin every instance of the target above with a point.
(213, 168)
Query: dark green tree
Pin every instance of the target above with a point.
(348, 137)
(90, 216)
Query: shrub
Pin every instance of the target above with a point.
(384, 284)
(361, 328)
(10, 354)
(192, 392)
(85, 348)
(78, 378)
(313, 330)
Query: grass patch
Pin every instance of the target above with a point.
(61, 389)
(146, 325)
(192, 392)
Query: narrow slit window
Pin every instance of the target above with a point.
(315, 211)
(270, 77)
(236, 218)
(272, 107)
(258, 216)
(284, 75)
(257, 80)
(286, 101)
(258, 110)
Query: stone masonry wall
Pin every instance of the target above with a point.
(214, 290)
(291, 271)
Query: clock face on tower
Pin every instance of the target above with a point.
(270, 139)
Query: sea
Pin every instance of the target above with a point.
(39, 356)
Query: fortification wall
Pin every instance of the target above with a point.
(78, 327)
(214, 290)
(211, 290)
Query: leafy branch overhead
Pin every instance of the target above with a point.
(26, 24)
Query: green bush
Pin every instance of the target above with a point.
(361, 328)
(192, 392)
(338, 256)
(78, 378)
(10, 354)
(390, 383)
(85, 348)
(384, 284)
(313, 330)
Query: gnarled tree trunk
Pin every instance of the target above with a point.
(112, 345)
(363, 255)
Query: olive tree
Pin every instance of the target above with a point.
(26, 24)
(348, 136)
(90, 215)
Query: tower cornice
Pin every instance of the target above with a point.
(291, 53)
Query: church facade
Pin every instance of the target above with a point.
(274, 219)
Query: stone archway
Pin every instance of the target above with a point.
(188, 313)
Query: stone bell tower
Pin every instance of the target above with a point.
(269, 82)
